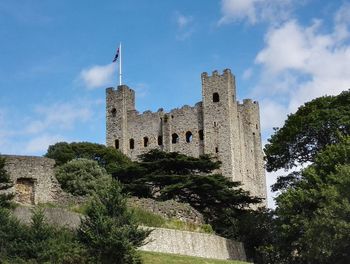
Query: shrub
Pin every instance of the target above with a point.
(81, 176)
(110, 231)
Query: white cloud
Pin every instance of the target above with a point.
(183, 21)
(43, 126)
(272, 114)
(247, 74)
(319, 63)
(141, 90)
(255, 11)
(297, 64)
(185, 27)
(271, 178)
(237, 10)
(98, 76)
(41, 143)
(59, 116)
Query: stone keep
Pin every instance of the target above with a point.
(219, 126)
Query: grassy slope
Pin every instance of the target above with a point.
(146, 218)
(160, 258)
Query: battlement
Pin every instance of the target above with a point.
(215, 73)
(218, 125)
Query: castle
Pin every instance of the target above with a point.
(218, 125)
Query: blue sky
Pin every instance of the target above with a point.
(55, 59)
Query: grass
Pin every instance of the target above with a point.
(161, 258)
(147, 218)
(76, 208)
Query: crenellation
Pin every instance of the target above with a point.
(218, 125)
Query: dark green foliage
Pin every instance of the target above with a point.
(313, 216)
(11, 234)
(152, 173)
(81, 176)
(109, 230)
(37, 243)
(315, 125)
(285, 182)
(165, 176)
(212, 195)
(107, 157)
(5, 183)
(256, 229)
(160, 162)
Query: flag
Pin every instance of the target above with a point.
(116, 56)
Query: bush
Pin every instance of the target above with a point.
(81, 176)
(110, 231)
(5, 184)
(107, 157)
(38, 243)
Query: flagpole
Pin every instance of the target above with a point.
(120, 63)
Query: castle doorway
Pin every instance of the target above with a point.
(24, 191)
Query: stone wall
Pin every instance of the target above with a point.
(161, 239)
(193, 244)
(231, 130)
(54, 216)
(33, 178)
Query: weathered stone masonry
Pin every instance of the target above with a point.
(219, 126)
(34, 179)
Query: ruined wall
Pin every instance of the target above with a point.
(33, 178)
(219, 126)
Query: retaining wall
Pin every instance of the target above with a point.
(194, 244)
(161, 239)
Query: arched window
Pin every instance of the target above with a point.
(216, 97)
(116, 143)
(189, 137)
(132, 143)
(145, 142)
(160, 140)
(201, 134)
(175, 138)
(114, 112)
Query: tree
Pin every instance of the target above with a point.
(81, 176)
(107, 157)
(164, 176)
(5, 184)
(314, 126)
(313, 216)
(109, 230)
(38, 243)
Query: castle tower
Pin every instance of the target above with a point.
(218, 94)
(118, 103)
(219, 126)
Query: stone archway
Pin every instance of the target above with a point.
(25, 191)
